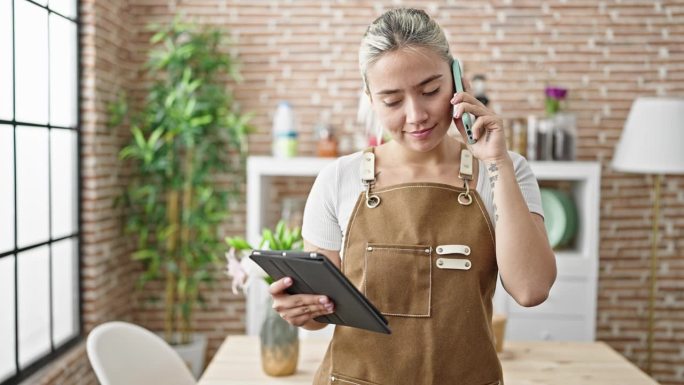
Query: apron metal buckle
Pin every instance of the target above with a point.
(372, 201)
(465, 198)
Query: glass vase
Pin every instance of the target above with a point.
(279, 344)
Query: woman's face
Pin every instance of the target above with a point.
(410, 90)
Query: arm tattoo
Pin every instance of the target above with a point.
(493, 170)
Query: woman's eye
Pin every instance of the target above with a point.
(392, 104)
(431, 92)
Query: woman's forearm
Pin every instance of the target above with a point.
(526, 262)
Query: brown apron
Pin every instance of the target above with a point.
(424, 254)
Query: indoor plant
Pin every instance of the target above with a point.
(279, 340)
(184, 135)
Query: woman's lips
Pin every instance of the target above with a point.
(421, 134)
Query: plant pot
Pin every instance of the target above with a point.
(279, 345)
(193, 353)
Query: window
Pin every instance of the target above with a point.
(39, 184)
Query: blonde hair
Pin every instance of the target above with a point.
(397, 29)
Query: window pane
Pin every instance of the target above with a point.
(6, 188)
(6, 103)
(63, 180)
(62, 71)
(64, 7)
(64, 290)
(31, 62)
(32, 185)
(34, 304)
(7, 357)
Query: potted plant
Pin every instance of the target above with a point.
(279, 339)
(183, 136)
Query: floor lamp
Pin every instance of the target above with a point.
(652, 142)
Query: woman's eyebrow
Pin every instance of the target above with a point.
(422, 83)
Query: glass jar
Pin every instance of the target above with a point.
(544, 140)
(519, 137)
(564, 136)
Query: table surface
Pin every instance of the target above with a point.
(238, 361)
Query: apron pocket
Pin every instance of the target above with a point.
(398, 279)
(336, 379)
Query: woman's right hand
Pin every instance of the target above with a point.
(298, 309)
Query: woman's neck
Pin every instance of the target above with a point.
(447, 151)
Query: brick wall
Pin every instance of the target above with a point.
(606, 52)
(108, 277)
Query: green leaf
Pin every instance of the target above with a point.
(127, 152)
(201, 120)
(142, 255)
(157, 37)
(267, 236)
(238, 243)
(280, 230)
(189, 107)
(156, 134)
(138, 136)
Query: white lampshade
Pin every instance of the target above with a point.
(652, 141)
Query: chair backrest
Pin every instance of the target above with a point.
(125, 354)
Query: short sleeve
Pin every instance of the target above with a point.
(320, 225)
(528, 183)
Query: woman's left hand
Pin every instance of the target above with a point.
(487, 129)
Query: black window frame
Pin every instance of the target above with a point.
(55, 351)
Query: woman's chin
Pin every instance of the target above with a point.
(424, 144)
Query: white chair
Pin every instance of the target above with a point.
(125, 354)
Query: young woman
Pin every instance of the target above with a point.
(420, 227)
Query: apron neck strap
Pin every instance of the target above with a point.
(368, 177)
(466, 171)
(466, 174)
(368, 166)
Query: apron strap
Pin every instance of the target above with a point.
(368, 167)
(368, 177)
(466, 174)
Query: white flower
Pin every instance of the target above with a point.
(243, 271)
(235, 271)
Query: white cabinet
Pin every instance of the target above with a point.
(570, 311)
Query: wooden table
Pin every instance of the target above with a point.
(524, 363)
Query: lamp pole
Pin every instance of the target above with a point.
(654, 267)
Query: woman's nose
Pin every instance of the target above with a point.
(416, 113)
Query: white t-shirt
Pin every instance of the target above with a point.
(337, 187)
